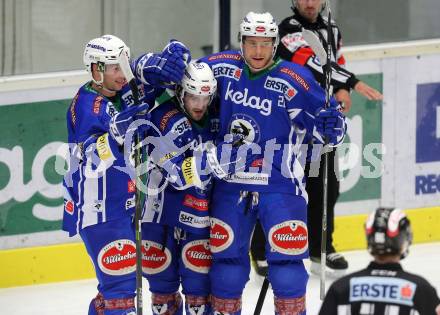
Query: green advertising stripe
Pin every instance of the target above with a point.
(66, 262)
(367, 116)
(30, 187)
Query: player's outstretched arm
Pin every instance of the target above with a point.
(367, 91)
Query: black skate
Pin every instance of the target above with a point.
(336, 265)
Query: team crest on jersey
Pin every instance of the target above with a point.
(281, 86)
(155, 259)
(118, 258)
(246, 126)
(221, 235)
(227, 70)
(289, 237)
(197, 256)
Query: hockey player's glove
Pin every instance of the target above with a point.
(121, 123)
(178, 49)
(177, 56)
(330, 123)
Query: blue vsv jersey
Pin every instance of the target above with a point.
(98, 186)
(275, 109)
(173, 197)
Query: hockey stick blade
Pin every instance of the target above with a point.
(316, 45)
(126, 70)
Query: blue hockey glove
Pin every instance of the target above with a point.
(330, 123)
(178, 57)
(159, 71)
(177, 48)
(120, 123)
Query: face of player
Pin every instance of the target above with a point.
(309, 9)
(258, 52)
(196, 105)
(114, 79)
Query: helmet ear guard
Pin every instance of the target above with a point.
(388, 232)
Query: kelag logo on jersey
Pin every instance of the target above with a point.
(264, 106)
(227, 70)
(428, 136)
(281, 86)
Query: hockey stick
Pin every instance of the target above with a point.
(328, 75)
(325, 60)
(126, 69)
(261, 296)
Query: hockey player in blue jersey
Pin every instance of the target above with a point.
(175, 234)
(99, 191)
(272, 104)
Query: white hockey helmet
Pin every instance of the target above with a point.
(103, 51)
(260, 25)
(197, 80)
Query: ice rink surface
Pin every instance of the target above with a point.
(72, 298)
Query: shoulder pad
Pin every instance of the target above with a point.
(225, 55)
(166, 118)
(72, 110)
(90, 101)
(295, 73)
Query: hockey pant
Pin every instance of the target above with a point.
(283, 218)
(112, 248)
(172, 257)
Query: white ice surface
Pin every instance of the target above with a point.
(72, 298)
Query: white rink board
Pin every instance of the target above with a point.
(72, 298)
